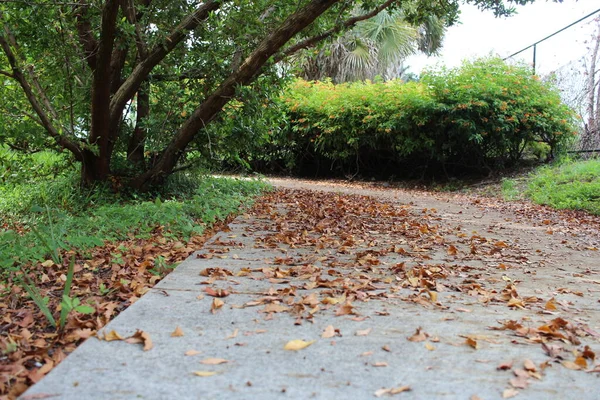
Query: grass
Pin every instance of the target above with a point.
(569, 185)
(42, 217)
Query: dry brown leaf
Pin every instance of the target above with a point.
(363, 332)
(529, 366)
(550, 305)
(214, 361)
(345, 309)
(419, 336)
(216, 305)
(505, 366)
(452, 251)
(571, 365)
(205, 373)
(295, 345)
(581, 362)
(275, 308)
(508, 393)
(472, 342)
(380, 364)
(386, 348)
(177, 332)
(141, 337)
(192, 352)
(233, 335)
(329, 332)
(112, 335)
(392, 391)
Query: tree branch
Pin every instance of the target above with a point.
(8, 74)
(86, 37)
(313, 41)
(140, 41)
(45, 121)
(157, 54)
(214, 103)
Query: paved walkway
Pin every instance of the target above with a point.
(397, 299)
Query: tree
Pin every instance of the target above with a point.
(374, 47)
(590, 140)
(126, 86)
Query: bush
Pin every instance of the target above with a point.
(479, 116)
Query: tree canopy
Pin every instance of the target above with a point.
(129, 86)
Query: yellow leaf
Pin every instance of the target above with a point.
(205, 373)
(233, 335)
(214, 361)
(429, 346)
(297, 344)
(112, 335)
(551, 305)
(48, 263)
(192, 352)
(177, 332)
(432, 295)
(581, 362)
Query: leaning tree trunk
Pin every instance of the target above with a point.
(214, 103)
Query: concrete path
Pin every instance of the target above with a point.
(402, 311)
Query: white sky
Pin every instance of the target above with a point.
(481, 34)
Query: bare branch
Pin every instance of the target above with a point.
(313, 41)
(157, 54)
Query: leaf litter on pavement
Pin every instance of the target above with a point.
(338, 251)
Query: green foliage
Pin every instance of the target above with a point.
(568, 185)
(509, 189)
(481, 115)
(67, 304)
(86, 219)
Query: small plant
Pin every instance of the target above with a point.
(67, 305)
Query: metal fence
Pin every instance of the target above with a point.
(566, 62)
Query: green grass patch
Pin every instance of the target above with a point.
(42, 217)
(569, 185)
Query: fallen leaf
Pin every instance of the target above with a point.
(295, 345)
(419, 336)
(216, 293)
(521, 379)
(508, 393)
(214, 361)
(205, 373)
(216, 304)
(112, 335)
(581, 362)
(233, 335)
(392, 391)
(505, 366)
(363, 332)
(192, 352)
(550, 305)
(329, 332)
(177, 332)
(571, 365)
(141, 337)
(472, 342)
(345, 309)
(429, 346)
(452, 251)
(380, 364)
(386, 348)
(529, 366)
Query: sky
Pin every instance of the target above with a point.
(481, 34)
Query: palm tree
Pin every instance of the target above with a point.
(375, 47)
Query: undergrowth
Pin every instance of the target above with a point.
(42, 216)
(568, 185)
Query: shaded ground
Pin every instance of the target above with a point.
(393, 292)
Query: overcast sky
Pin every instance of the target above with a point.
(480, 34)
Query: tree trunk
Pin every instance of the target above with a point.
(96, 165)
